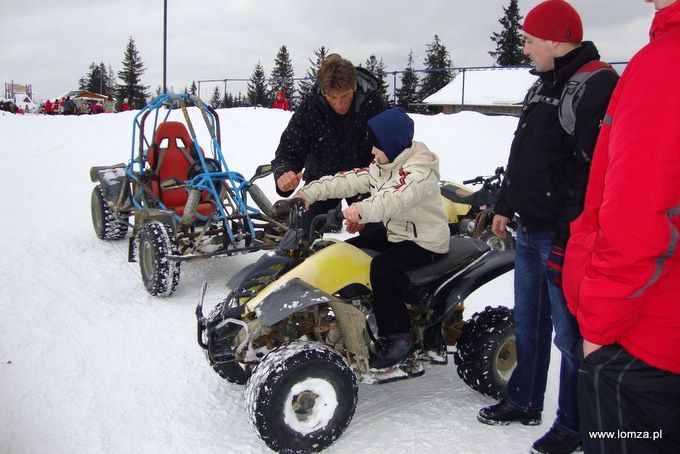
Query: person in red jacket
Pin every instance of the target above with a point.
(48, 107)
(622, 278)
(125, 106)
(280, 101)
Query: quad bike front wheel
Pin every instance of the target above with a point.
(301, 397)
(160, 275)
(486, 353)
(106, 226)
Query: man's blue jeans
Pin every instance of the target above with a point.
(540, 307)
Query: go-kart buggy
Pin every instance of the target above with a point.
(296, 330)
(471, 213)
(185, 205)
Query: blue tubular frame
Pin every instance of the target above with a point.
(202, 182)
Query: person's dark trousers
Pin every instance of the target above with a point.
(388, 278)
(627, 406)
(540, 307)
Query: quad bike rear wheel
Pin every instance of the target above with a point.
(301, 397)
(160, 275)
(106, 226)
(486, 353)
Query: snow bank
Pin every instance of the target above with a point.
(90, 363)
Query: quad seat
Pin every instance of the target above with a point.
(170, 157)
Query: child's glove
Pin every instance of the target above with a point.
(554, 265)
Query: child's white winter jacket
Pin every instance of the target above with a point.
(404, 196)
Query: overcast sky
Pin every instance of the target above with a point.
(51, 43)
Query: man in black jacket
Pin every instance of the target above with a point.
(329, 131)
(545, 185)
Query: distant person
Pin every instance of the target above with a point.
(69, 106)
(109, 105)
(84, 107)
(48, 107)
(125, 106)
(328, 132)
(280, 101)
(621, 282)
(544, 184)
(96, 108)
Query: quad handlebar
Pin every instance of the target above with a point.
(488, 181)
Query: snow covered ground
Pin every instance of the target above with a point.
(90, 363)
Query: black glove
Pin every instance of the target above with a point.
(554, 265)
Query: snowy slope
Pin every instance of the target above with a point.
(90, 363)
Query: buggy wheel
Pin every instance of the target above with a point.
(301, 397)
(486, 353)
(497, 243)
(106, 227)
(160, 275)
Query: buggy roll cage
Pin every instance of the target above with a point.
(237, 184)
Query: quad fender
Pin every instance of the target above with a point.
(452, 293)
(296, 295)
(329, 270)
(454, 210)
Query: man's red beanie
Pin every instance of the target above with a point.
(554, 20)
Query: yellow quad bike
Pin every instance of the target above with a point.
(297, 328)
(470, 213)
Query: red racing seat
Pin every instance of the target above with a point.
(169, 156)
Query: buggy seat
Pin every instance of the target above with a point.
(170, 157)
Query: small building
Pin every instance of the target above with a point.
(498, 91)
(19, 95)
(84, 95)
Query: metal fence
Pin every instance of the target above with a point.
(391, 77)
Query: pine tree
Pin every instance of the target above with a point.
(438, 66)
(84, 82)
(193, 89)
(509, 42)
(407, 94)
(307, 85)
(130, 76)
(159, 90)
(282, 75)
(227, 100)
(377, 68)
(258, 93)
(216, 99)
(96, 80)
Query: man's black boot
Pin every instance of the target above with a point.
(556, 442)
(503, 413)
(391, 350)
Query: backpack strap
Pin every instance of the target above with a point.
(573, 90)
(533, 96)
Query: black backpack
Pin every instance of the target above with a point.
(571, 94)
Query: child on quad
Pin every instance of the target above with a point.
(404, 195)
